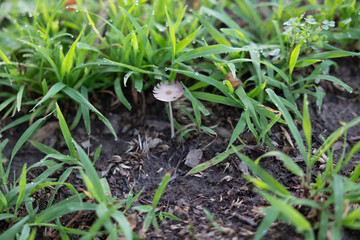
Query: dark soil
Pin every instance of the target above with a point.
(145, 152)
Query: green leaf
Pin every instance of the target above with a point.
(97, 153)
(238, 130)
(172, 34)
(61, 209)
(45, 54)
(51, 93)
(289, 120)
(307, 124)
(119, 93)
(66, 132)
(76, 96)
(124, 224)
(187, 40)
(26, 135)
(143, 208)
(43, 148)
(208, 50)
(212, 162)
(338, 188)
(293, 58)
(13, 230)
(205, 79)
(288, 162)
(268, 180)
(8, 63)
(291, 214)
(161, 189)
(91, 172)
(19, 97)
(271, 216)
(22, 185)
(67, 63)
(171, 216)
(219, 37)
(85, 110)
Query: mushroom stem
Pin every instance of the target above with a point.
(171, 121)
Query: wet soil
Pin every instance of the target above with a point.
(144, 152)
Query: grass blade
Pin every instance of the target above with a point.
(289, 120)
(172, 34)
(22, 185)
(65, 132)
(215, 160)
(52, 91)
(186, 41)
(76, 96)
(160, 190)
(291, 214)
(119, 93)
(91, 172)
(67, 63)
(269, 180)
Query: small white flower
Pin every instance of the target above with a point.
(168, 92)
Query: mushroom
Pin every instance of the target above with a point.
(168, 92)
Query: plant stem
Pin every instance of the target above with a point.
(171, 121)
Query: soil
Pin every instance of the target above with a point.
(144, 152)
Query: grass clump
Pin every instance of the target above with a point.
(58, 53)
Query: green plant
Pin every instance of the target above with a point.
(211, 219)
(326, 195)
(152, 215)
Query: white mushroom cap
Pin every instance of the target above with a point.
(168, 92)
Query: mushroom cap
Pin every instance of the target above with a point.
(168, 92)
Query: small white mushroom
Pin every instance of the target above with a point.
(168, 92)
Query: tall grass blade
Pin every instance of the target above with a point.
(91, 172)
(291, 214)
(161, 189)
(289, 120)
(67, 63)
(215, 160)
(65, 132)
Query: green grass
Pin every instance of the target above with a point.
(54, 56)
